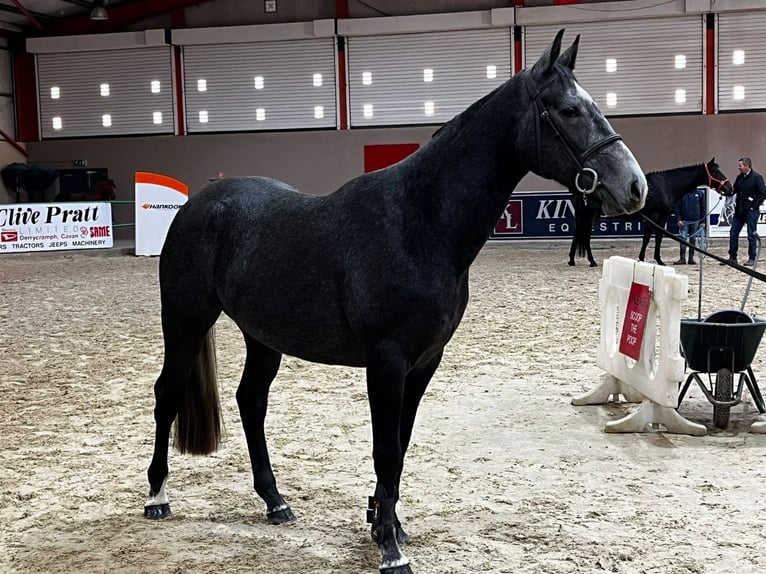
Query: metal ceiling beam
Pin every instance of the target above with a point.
(29, 16)
(120, 16)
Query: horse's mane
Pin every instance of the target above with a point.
(673, 170)
(459, 120)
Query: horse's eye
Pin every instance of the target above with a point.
(570, 112)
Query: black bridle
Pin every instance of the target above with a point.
(578, 159)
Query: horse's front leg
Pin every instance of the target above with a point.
(261, 366)
(645, 238)
(414, 387)
(658, 244)
(572, 250)
(386, 374)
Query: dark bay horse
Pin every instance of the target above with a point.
(666, 188)
(103, 190)
(388, 283)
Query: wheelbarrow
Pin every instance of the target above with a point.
(722, 345)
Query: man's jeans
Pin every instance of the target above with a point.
(738, 221)
(687, 231)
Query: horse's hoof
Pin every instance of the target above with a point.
(660, 262)
(157, 511)
(571, 263)
(397, 570)
(593, 264)
(281, 516)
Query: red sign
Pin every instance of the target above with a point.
(634, 325)
(512, 220)
(383, 155)
(9, 235)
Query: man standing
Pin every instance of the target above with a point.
(689, 214)
(750, 192)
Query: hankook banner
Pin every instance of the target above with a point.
(158, 199)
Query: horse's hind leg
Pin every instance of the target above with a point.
(590, 256)
(261, 367)
(572, 250)
(188, 348)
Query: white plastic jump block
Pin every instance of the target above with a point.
(759, 426)
(654, 378)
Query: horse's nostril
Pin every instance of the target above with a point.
(637, 190)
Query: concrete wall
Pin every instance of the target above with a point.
(319, 161)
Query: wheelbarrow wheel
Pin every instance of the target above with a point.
(724, 389)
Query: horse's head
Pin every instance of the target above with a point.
(717, 180)
(575, 144)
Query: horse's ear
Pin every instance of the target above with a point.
(568, 57)
(711, 161)
(548, 59)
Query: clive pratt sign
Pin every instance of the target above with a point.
(53, 226)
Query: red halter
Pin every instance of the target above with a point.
(711, 180)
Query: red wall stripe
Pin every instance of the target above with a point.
(710, 88)
(518, 62)
(179, 76)
(25, 83)
(342, 84)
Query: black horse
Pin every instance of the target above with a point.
(666, 188)
(388, 280)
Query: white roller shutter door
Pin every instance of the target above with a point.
(425, 78)
(741, 61)
(260, 86)
(633, 67)
(106, 93)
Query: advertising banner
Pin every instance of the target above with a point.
(158, 199)
(54, 226)
(720, 210)
(550, 215)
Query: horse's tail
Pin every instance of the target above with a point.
(198, 424)
(584, 218)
